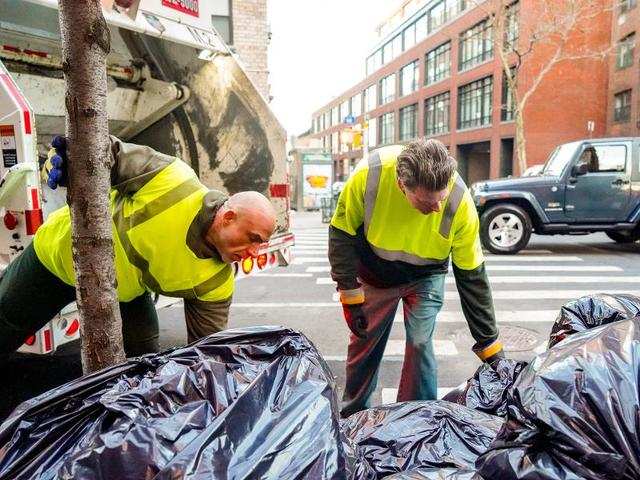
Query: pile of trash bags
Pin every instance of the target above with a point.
(261, 403)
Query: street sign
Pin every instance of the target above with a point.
(349, 120)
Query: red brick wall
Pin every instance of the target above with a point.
(628, 78)
(251, 40)
(571, 94)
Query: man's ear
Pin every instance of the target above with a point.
(228, 217)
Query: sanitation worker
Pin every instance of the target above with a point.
(400, 217)
(172, 236)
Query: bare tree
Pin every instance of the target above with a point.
(555, 34)
(85, 44)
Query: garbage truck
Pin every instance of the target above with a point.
(173, 84)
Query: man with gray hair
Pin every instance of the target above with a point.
(403, 212)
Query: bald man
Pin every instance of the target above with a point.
(172, 236)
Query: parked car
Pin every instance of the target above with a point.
(584, 187)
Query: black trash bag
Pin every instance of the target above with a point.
(436, 474)
(247, 403)
(487, 390)
(592, 311)
(404, 436)
(573, 412)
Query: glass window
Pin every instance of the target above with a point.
(387, 53)
(409, 36)
(622, 106)
(409, 123)
(436, 121)
(604, 158)
(370, 98)
(387, 130)
(370, 65)
(511, 30)
(397, 45)
(438, 64)
(388, 89)
(474, 103)
(335, 116)
(626, 5)
(345, 110)
(409, 78)
(372, 132)
(507, 110)
(559, 159)
(422, 28)
(476, 45)
(377, 59)
(624, 57)
(437, 15)
(334, 143)
(356, 105)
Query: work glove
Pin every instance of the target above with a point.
(352, 301)
(356, 319)
(56, 166)
(490, 353)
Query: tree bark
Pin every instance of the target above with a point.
(85, 45)
(521, 143)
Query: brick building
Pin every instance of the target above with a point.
(623, 114)
(434, 73)
(243, 25)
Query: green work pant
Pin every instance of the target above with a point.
(30, 296)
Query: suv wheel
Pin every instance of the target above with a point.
(505, 229)
(629, 236)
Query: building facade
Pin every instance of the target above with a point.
(434, 73)
(250, 39)
(623, 114)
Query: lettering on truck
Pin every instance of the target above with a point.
(186, 6)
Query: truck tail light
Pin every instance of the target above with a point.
(48, 340)
(279, 190)
(73, 328)
(33, 220)
(262, 261)
(30, 340)
(247, 265)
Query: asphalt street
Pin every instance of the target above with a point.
(528, 289)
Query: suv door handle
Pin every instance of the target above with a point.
(619, 182)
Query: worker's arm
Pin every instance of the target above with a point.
(347, 219)
(135, 165)
(343, 254)
(132, 166)
(205, 318)
(472, 282)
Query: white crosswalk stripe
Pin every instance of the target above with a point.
(502, 316)
(519, 268)
(538, 295)
(525, 279)
(390, 395)
(303, 260)
(533, 258)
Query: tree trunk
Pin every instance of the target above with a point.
(85, 45)
(521, 146)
